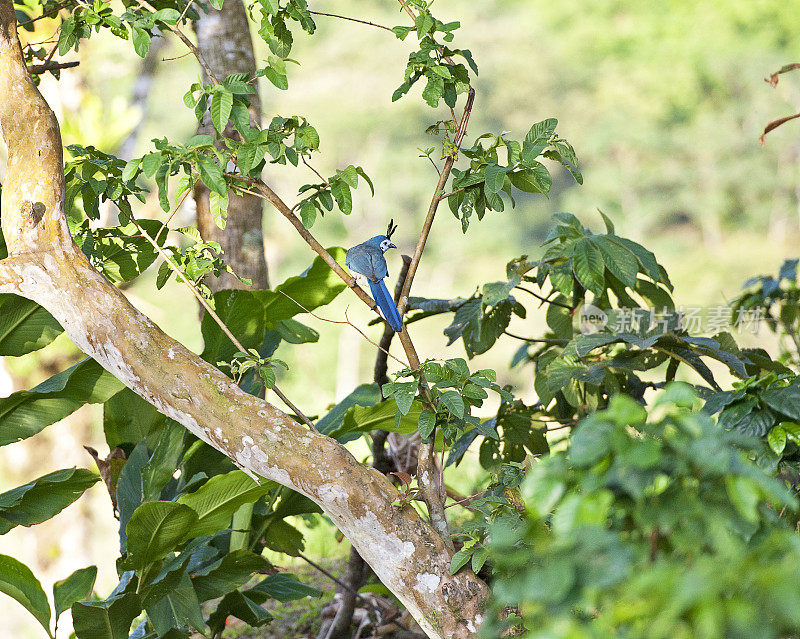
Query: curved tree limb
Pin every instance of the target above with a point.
(47, 267)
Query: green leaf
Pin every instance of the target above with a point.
(308, 213)
(141, 41)
(427, 422)
(166, 456)
(178, 608)
(777, 439)
(620, 262)
(344, 198)
(784, 400)
(589, 267)
(453, 402)
(744, 496)
(127, 418)
(240, 606)
(74, 588)
(109, 619)
(43, 498)
(155, 529)
(218, 204)
(381, 416)
(284, 538)
(233, 570)
(18, 582)
(495, 176)
(459, 560)
(25, 326)
(281, 587)
(542, 131)
(217, 500)
(25, 413)
(221, 105)
(248, 314)
(533, 180)
(364, 395)
(211, 174)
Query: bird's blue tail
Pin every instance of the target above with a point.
(385, 302)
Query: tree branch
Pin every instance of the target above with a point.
(434, 205)
(38, 69)
(367, 22)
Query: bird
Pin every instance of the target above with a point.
(367, 260)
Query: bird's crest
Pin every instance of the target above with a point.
(391, 228)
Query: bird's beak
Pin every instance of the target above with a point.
(392, 245)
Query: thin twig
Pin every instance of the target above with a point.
(538, 340)
(547, 300)
(349, 323)
(408, 10)
(367, 22)
(434, 205)
(182, 276)
(174, 211)
(195, 51)
(317, 173)
(467, 500)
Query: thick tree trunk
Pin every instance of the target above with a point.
(45, 265)
(223, 38)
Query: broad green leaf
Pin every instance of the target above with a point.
(533, 180)
(221, 104)
(74, 588)
(284, 538)
(43, 498)
(25, 413)
(165, 459)
(381, 416)
(211, 173)
(427, 422)
(156, 528)
(127, 418)
(744, 495)
(218, 205)
(618, 260)
(784, 400)
(589, 267)
(238, 605)
(316, 287)
(777, 439)
(281, 587)
(495, 176)
(129, 489)
(308, 213)
(180, 607)
(453, 402)
(232, 571)
(364, 395)
(25, 326)
(217, 500)
(109, 619)
(18, 582)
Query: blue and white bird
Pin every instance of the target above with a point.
(367, 259)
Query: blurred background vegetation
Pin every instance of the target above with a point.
(663, 102)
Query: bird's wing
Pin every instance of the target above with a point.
(379, 268)
(367, 260)
(358, 260)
